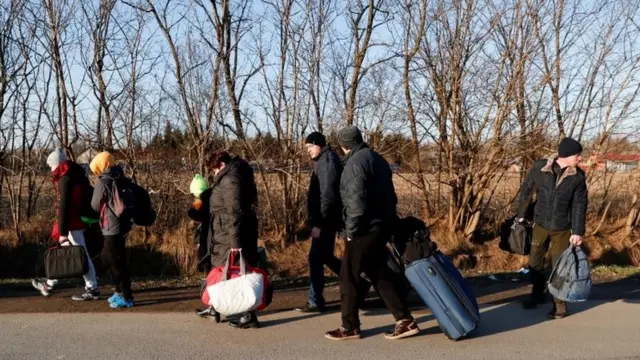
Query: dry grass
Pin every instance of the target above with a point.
(168, 248)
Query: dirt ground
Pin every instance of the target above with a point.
(175, 295)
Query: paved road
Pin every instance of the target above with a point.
(597, 330)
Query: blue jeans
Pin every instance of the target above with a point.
(321, 254)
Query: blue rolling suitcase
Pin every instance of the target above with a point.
(445, 292)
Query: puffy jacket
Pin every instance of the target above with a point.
(109, 223)
(324, 207)
(203, 216)
(561, 200)
(71, 185)
(234, 223)
(367, 192)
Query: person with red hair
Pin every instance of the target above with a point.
(234, 223)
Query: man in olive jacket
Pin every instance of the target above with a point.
(559, 214)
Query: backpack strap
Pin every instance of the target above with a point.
(576, 259)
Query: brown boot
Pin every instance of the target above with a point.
(559, 310)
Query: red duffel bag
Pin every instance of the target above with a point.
(218, 274)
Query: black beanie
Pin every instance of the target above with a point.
(569, 147)
(316, 138)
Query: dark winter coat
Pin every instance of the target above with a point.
(234, 223)
(203, 217)
(561, 197)
(367, 192)
(324, 207)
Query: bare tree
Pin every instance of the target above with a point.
(58, 16)
(99, 21)
(413, 36)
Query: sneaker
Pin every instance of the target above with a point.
(404, 328)
(114, 297)
(88, 294)
(209, 312)
(41, 285)
(343, 334)
(120, 303)
(249, 321)
(309, 308)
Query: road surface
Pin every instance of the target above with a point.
(596, 330)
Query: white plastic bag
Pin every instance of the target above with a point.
(238, 295)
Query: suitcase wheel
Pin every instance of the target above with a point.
(448, 335)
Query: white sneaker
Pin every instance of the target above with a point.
(42, 286)
(88, 294)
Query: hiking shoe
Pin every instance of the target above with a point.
(245, 322)
(114, 297)
(533, 302)
(558, 311)
(88, 294)
(404, 328)
(41, 285)
(343, 334)
(309, 308)
(120, 303)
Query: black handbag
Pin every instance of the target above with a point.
(516, 237)
(63, 262)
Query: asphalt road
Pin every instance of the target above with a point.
(600, 329)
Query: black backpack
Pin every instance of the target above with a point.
(135, 202)
(413, 239)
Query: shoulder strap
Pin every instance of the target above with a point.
(536, 181)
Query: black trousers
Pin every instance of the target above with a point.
(114, 258)
(321, 254)
(368, 254)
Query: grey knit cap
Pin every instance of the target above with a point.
(350, 137)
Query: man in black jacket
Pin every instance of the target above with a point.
(559, 214)
(324, 210)
(369, 198)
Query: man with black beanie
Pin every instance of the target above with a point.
(559, 214)
(324, 210)
(369, 198)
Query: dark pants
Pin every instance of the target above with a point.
(542, 241)
(321, 254)
(114, 258)
(368, 254)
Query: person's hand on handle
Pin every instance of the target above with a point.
(575, 240)
(315, 232)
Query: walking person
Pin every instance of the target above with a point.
(234, 223)
(559, 215)
(114, 228)
(324, 214)
(71, 185)
(369, 198)
(200, 213)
